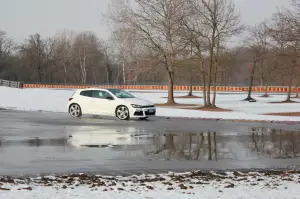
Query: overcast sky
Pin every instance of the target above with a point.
(20, 18)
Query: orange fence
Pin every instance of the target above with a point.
(272, 89)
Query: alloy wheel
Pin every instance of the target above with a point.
(122, 113)
(75, 110)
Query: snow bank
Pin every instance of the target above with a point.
(55, 100)
(34, 99)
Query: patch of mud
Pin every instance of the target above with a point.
(175, 105)
(291, 114)
(285, 102)
(186, 97)
(212, 109)
(187, 181)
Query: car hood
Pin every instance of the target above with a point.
(137, 101)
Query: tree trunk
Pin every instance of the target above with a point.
(249, 98)
(82, 61)
(209, 146)
(208, 102)
(288, 98)
(215, 87)
(216, 64)
(266, 91)
(94, 75)
(108, 74)
(204, 89)
(204, 79)
(190, 87)
(39, 73)
(215, 146)
(222, 77)
(123, 72)
(65, 78)
(211, 66)
(170, 88)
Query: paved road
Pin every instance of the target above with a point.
(42, 142)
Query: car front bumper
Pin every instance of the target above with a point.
(142, 112)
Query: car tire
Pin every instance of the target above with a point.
(122, 112)
(75, 110)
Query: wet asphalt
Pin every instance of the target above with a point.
(35, 143)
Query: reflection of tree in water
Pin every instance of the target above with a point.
(275, 143)
(189, 146)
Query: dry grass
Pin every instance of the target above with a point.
(186, 97)
(265, 95)
(175, 105)
(285, 102)
(291, 114)
(212, 109)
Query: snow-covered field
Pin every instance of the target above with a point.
(55, 100)
(229, 185)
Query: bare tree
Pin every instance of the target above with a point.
(286, 46)
(48, 58)
(155, 23)
(33, 49)
(6, 49)
(86, 48)
(63, 50)
(6, 45)
(257, 41)
(107, 50)
(207, 24)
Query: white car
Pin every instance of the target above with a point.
(109, 102)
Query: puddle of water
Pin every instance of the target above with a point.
(35, 142)
(257, 143)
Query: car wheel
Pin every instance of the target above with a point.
(75, 110)
(122, 113)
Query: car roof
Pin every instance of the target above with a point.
(105, 89)
(85, 89)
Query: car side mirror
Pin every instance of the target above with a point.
(109, 98)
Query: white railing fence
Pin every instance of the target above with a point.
(12, 84)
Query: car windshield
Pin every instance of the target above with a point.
(121, 93)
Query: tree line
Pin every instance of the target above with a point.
(164, 42)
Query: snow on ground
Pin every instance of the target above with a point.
(233, 185)
(55, 100)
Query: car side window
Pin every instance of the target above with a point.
(87, 93)
(100, 94)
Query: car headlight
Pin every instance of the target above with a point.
(136, 106)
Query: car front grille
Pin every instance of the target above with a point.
(150, 106)
(138, 113)
(148, 113)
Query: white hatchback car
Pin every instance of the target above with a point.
(109, 102)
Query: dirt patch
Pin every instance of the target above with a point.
(293, 114)
(175, 105)
(285, 102)
(186, 97)
(265, 96)
(212, 109)
(186, 182)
